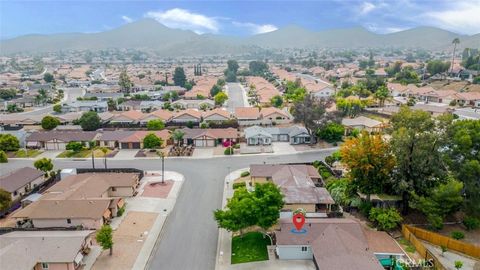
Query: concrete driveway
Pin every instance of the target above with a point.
(283, 148)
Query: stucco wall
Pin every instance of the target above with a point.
(294, 253)
(56, 266)
(87, 223)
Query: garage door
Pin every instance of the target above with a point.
(124, 145)
(199, 143)
(136, 145)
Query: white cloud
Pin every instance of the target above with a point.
(366, 8)
(256, 28)
(462, 16)
(384, 29)
(184, 19)
(127, 19)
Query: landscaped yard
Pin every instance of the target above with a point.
(29, 153)
(250, 247)
(83, 153)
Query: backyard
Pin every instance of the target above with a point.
(250, 247)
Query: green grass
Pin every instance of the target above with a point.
(30, 153)
(71, 154)
(250, 247)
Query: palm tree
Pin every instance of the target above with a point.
(177, 136)
(455, 42)
(104, 151)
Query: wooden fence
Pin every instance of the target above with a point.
(420, 248)
(449, 243)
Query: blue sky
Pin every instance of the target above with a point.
(238, 17)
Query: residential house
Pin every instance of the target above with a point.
(335, 243)
(164, 115)
(104, 96)
(300, 184)
(272, 115)
(58, 140)
(397, 89)
(86, 200)
(42, 250)
(256, 135)
(216, 115)
(193, 104)
(209, 137)
(151, 105)
(130, 117)
(187, 116)
(247, 115)
(468, 99)
(21, 182)
(85, 106)
(441, 96)
(362, 123)
(130, 105)
(135, 140)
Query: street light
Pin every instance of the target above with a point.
(162, 156)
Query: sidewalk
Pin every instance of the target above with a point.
(224, 245)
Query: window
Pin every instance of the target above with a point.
(44, 265)
(69, 221)
(114, 189)
(15, 193)
(304, 249)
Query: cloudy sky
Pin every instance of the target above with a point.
(238, 18)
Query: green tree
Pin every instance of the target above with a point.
(3, 157)
(260, 207)
(124, 81)
(407, 75)
(215, 90)
(155, 124)
(230, 76)
(105, 238)
(257, 68)
(381, 95)
(276, 101)
(90, 121)
(44, 164)
(7, 94)
(312, 113)
(370, 162)
(392, 70)
(177, 136)
(350, 106)
(74, 146)
(332, 132)
(220, 98)
(437, 66)
(443, 199)
(232, 65)
(152, 141)
(179, 77)
(386, 219)
(416, 146)
(463, 157)
(5, 200)
(8, 143)
(50, 122)
(57, 108)
(48, 77)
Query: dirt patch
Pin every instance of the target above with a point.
(472, 237)
(128, 240)
(158, 190)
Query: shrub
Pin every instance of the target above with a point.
(332, 132)
(3, 157)
(410, 249)
(120, 211)
(74, 146)
(8, 142)
(385, 219)
(238, 185)
(236, 146)
(49, 122)
(472, 223)
(245, 174)
(457, 235)
(365, 208)
(228, 151)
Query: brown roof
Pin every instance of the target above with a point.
(337, 243)
(138, 136)
(64, 136)
(19, 178)
(247, 113)
(265, 112)
(381, 242)
(53, 209)
(162, 114)
(214, 133)
(190, 112)
(219, 111)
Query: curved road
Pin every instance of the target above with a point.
(189, 237)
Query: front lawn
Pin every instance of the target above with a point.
(72, 154)
(29, 153)
(250, 247)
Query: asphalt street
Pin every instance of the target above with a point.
(235, 97)
(189, 237)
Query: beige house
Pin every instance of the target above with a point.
(300, 185)
(189, 115)
(21, 182)
(85, 200)
(42, 250)
(362, 123)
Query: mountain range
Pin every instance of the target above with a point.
(148, 34)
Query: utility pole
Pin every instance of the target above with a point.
(162, 156)
(93, 159)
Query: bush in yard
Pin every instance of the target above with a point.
(8, 142)
(50, 122)
(245, 174)
(332, 132)
(3, 157)
(5, 200)
(472, 223)
(105, 237)
(365, 207)
(74, 146)
(238, 185)
(152, 141)
(155, 124)
(457, 235)
(228, 151)
(458, 264)
(90, 121)
(120, 211)
(386, 219)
